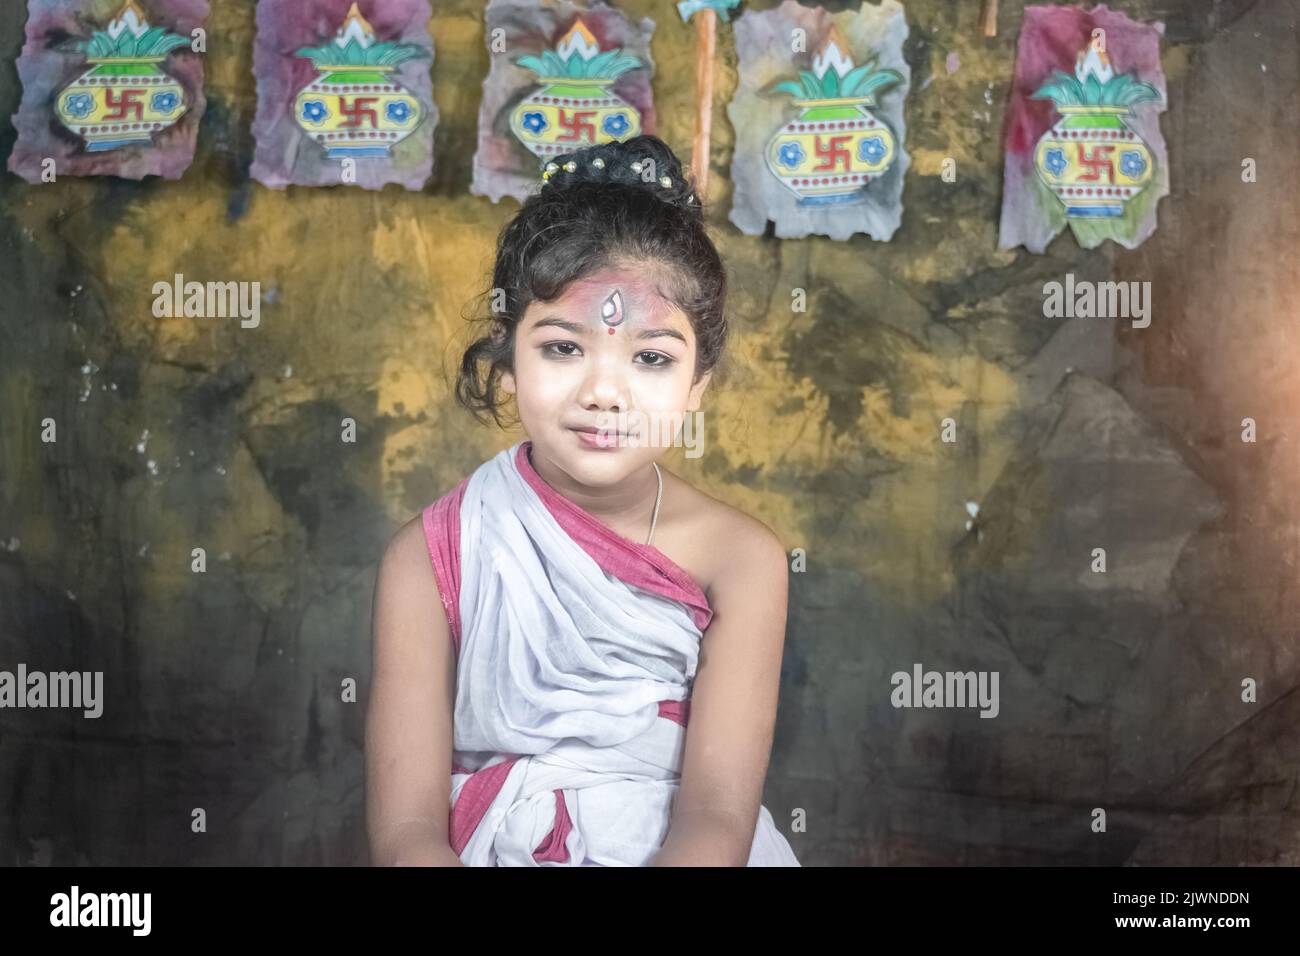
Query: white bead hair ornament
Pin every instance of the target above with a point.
(598, 163)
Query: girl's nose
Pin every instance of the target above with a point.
(604, 387)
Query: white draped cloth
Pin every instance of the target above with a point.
(561, 671)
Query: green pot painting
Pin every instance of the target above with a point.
(355, 107)
(836, 146)
(125, 97)
(1090, 160)
(575, 105)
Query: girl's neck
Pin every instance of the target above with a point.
(624, 508)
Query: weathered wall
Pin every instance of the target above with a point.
(1119, 690)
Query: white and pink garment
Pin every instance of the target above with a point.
(576, 651)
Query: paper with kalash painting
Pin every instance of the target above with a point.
(562, 77)
(109, 89)
(818, 115)
(1083, 141)
(344, 95)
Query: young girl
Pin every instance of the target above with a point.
(576, 694)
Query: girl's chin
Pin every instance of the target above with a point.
(594, 465)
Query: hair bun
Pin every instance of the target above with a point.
(644, 161)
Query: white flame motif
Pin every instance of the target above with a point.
(130, 17)
(1095, 62)
(356, 28)
(578, 39)
(831, 55)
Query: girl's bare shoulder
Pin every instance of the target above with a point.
(707, 537)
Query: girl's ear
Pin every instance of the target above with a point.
(508, 382)
(697, 391)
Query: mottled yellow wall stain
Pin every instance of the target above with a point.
(901, 526)
(255, 534)
(1174, 61)
(935, 262)
(456, 31)
(744, 430)
(409, 388)
(964, 110)
(231, 34)
(365, 296)
(447, 261)
(366, 293)
(49, 214)
(929, 162)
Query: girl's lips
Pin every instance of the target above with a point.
(596, 439)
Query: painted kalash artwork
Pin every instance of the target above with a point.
(835, 146)
(575, 104)
(818, 115)
(562, 77)
(1084, 147)
(352, 105)
(132, 103)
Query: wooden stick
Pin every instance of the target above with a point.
(989, 18)
(706, 39)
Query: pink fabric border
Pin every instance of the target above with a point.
(475, 797)
(676, 710)
(442, 536)
(553, 848)
(640, 564)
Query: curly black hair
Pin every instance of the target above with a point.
(620, 203)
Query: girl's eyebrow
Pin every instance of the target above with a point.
(578, 328)
(659, 333)
(574, 327)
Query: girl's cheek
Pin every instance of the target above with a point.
(664, 392)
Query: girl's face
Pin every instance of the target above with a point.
(609, 354)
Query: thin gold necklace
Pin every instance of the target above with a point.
(658, 498)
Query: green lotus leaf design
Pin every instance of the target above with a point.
(607, 65)
(154, 42)
(863, 82)
(1122, 90)
(353, 53)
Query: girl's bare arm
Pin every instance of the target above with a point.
(409, 720)
(733, 706)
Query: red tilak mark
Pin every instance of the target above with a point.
(611, 331)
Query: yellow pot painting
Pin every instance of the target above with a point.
(125, 97)
(836, 146)
(575, 106)
(1090, 160)
(355, 106)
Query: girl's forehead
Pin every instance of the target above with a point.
(639, 298)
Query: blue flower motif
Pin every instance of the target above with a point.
(791, 154)
(1131, 163)
(871, 149)
(79, 104)
(165, 101)
(314, 111)
(616, 125)
(1055, 161)
(399, 111)
(535, 122)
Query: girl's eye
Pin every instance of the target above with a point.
(657, 359)
(570, 349)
